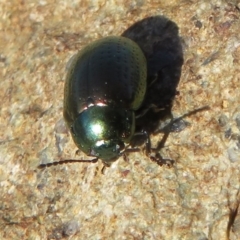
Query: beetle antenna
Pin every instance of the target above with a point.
(44, 165)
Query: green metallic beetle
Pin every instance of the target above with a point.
(105, 85)
(107, 89)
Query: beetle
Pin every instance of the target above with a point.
(105, 86)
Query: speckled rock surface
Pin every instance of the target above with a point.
(198, 198)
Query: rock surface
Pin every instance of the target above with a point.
(198, 198)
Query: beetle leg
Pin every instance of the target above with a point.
(105, 165)
(125, 157)
(157, 158)
(161, 161)
(129, 150)
(78, 151)
(150, 107)
(178, 124)
(44, 165)
(147, 143)
(142, 113)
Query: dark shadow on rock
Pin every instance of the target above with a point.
(159, 40)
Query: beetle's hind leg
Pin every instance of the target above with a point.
(175, 125)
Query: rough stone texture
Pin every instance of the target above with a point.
(197, 198)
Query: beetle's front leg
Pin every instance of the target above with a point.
(105, 166)
(157, 158)
(162, 161)
(140, 136)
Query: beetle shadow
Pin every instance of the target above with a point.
(159, 40)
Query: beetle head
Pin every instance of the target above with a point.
(101, 131)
